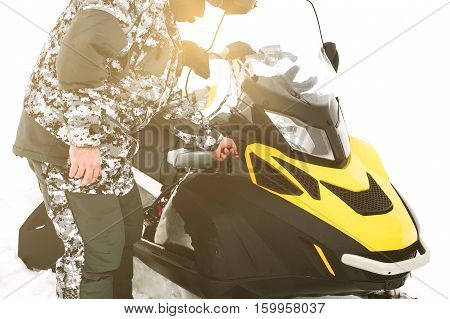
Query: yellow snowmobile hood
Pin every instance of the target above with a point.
(393, 230)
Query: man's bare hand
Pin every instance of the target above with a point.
(226, 148)
(85, 163)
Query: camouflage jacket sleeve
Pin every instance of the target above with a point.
(93, 37)
(189, 124)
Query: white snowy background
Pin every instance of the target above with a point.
(397, 99)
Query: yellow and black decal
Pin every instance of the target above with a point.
(358, 199)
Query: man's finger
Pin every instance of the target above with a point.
(218, 155)
(80, 172)
(235, 149)
(89, 173)
(73, 170)
(223, 156)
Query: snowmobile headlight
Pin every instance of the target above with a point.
(302, 137)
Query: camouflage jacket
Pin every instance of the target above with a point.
(108, 67)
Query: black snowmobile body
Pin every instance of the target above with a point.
(249, 243)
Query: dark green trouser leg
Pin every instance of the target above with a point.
(109, 225)
(99, 220)
(98, 232)
(133, 217)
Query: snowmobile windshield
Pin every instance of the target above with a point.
(285, 32)
(286, 53)
(309, 77)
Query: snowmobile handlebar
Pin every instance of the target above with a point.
(184, 158)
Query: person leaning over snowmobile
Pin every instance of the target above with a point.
(108, 67)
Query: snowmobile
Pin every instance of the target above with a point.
(306, 210)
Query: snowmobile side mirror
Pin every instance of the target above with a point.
(196, 58)
(332, 54)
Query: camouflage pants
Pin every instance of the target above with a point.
(98, 225)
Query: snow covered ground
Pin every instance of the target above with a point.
(397, 100)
